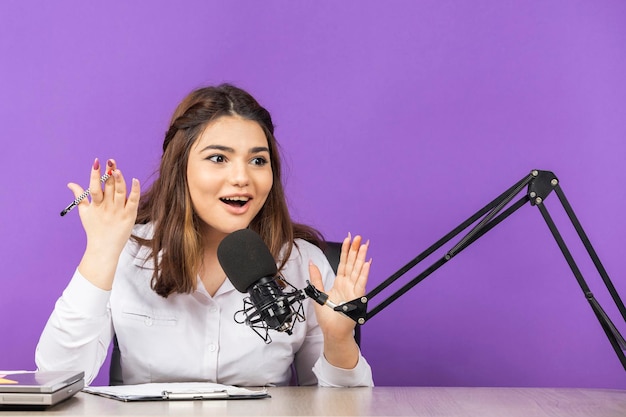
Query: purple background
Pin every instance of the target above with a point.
(398, 120)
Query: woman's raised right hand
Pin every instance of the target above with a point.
(108, 219)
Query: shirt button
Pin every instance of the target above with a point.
(212, 348)
(148, 321)
(213, 310)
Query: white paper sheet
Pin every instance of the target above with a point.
(175, 391)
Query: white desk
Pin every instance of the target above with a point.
(379, 401)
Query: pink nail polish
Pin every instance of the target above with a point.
(96, 164)
(110, 163)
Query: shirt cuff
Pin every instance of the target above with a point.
(331, 376)
(85, 298)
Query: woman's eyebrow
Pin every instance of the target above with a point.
(218, 147)
(256, 149)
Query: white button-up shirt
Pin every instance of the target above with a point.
(187, 337)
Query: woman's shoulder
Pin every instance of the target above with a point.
(143, 231)
(304, 251)
(305, 248)
(296, 269)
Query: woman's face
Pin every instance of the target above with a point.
(229, 174)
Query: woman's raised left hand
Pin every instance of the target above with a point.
(340, 347)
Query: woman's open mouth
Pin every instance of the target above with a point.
(235, 201)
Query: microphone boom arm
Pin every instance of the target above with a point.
(539, 185)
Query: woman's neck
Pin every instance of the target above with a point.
(211, 273)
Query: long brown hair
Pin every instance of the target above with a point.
(176, 246)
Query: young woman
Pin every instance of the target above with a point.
(150, 273)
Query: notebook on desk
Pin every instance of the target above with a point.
(177, 391)
(39, 388)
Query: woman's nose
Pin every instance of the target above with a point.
(239, 175)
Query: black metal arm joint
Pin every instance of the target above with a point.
(355, 309)
(541, 186)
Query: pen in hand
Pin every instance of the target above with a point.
(85, 193)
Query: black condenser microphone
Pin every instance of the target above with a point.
(251, 268)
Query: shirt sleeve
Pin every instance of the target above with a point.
(331, 376)
(78, 332)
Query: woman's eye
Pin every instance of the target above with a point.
(216, 158)
(259, 161)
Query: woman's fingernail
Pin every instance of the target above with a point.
(96, 164)
(110, 163)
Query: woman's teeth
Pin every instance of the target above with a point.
(235, 201)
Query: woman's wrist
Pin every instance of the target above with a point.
(98, 267)
(341, 352)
